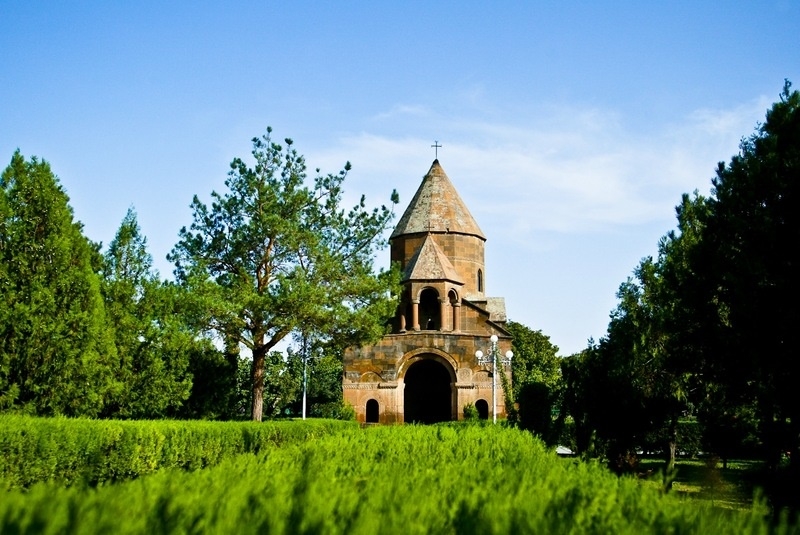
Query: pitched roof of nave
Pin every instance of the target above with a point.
(437, 207)
(430, 263)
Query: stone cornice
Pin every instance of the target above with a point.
(368, 386)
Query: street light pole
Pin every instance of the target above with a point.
(306, 358)
(493, 359)
(305, 383)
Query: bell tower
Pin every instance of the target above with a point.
(439, 246)
(425, 370)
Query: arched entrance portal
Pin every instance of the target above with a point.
(428, 393)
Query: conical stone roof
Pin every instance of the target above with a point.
(437, 207)
(430, 263)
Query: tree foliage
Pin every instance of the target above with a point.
(218, 390)
(579, 397)
(535, 357)
(753, 227)
(536, 379)
(708, 324)
(273, 255)
(152, 338)
(56, 354)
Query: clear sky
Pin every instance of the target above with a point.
(570, 129)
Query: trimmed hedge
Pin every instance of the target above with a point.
(92, 452)
(404, 479)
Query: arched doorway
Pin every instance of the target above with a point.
(373, 411)
(427, 397)
(483, 409)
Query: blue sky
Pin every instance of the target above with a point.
(569, 129)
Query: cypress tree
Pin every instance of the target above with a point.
(152, 340)
(56, 354)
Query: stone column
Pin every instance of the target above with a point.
(456, 317)
(402, 317)
(443, 315)
(415, 314)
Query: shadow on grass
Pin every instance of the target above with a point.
(706, 480)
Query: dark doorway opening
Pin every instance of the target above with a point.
(483, 409)
(373, 411)
(428, 394)
(430, 310)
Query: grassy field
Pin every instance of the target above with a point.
(706, 481)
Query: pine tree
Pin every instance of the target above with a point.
(272, 256)
(753, 228)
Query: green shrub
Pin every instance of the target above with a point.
(335, 410)
(471, 413)
(399, 479)
(73, 451)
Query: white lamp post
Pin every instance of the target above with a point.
(305, 381)
(306, 358)
(493, 358)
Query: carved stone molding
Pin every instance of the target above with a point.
(368, 386)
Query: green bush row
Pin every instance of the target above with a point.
(93, 452)
(408, 479)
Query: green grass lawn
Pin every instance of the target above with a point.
(703, 479)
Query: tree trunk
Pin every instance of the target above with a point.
(794, 445)
(672, 445)
(257, 379)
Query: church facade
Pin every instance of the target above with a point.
(426, 370)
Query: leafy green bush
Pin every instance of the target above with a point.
(335, 410)
(471, 413)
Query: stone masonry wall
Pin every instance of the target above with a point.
(377, 371)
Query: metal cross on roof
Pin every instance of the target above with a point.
(436, 146)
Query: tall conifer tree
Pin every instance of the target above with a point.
(152, 341)
(56, 354)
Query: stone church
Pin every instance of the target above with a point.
(426, 370)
